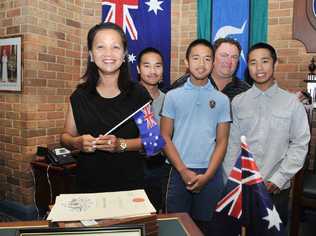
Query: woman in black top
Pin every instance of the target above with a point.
(105, 98)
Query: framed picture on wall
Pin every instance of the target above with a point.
(11, 64)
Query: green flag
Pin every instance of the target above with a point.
(204, 19)
(259, 21)
(258, 24)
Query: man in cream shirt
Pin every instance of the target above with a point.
(275, 124)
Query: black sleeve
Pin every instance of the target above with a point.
(141, 95)
(180, 82)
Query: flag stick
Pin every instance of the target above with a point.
(243, 231)
(243, 228)
(127, 118)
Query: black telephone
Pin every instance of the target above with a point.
(57, 157)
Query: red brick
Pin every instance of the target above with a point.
(280, 13)
(55, 115)
(29, 133)
(6, 123)
(33, 115)
(52, 131)
(47, 91)
(46, 57)
(56, 67)
(73, 23)
(35, 82)
(45, 123)
(12, 131)
(56, 51)
(286, 5)
(56, 83)
(5, 22)
(14, 12)
(6, 139)
(46, 75)
(46, 107)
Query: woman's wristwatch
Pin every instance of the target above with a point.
(122, 145)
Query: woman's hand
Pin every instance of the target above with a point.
(86, 143)
(107, 143)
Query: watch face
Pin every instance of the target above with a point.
(123, 145)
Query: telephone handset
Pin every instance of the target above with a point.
(57, 156)
(52, 157)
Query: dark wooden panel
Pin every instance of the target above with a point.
(304, 24)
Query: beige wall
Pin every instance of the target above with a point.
(54, 52)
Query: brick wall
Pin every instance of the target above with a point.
(293, 59)
(54, 56)
(54, 37)
(183, 31)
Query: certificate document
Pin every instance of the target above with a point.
(107, 205)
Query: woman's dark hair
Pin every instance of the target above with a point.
(91, 76)
(199, 42)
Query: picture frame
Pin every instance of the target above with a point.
(118, 230)
(11, 64)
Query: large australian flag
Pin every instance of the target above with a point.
(231, 19)
(246, 202)
(147, 23)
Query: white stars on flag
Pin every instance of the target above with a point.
(273, 218)
(131, 58)
(154, 5)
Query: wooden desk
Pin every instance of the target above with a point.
(50, 181)
(24, 224)
(182, 225)
(185, 221)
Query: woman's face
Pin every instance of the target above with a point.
(107, 51)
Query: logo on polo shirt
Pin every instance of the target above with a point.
(212, 104)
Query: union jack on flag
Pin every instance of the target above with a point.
(246, 202)
(244, 165)
(146, 23)
(149, 130)
(119, 14)
(149, 117)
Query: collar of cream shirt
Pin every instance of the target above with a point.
(270, 92)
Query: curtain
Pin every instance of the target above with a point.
(204, 19)
(259, 21)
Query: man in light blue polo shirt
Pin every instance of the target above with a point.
(195, 125)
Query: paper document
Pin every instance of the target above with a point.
(107, 205)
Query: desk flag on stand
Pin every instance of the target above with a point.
(246, 202)
(149, 130)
